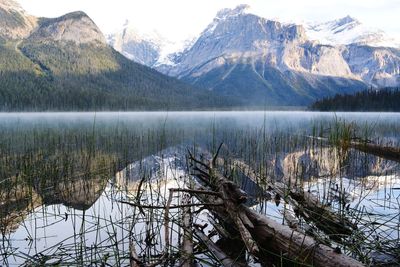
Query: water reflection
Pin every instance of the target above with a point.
(20, 197)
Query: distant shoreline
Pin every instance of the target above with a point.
(275, 108)
(17, 113)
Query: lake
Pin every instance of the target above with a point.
(72, 184)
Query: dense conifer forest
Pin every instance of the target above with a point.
(385, 99)
(60, 77)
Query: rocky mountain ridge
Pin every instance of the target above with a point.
(74, 27)
(240, 55)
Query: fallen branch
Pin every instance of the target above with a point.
(171, 207)
(214, 249)
(385, 152)
(187, 244)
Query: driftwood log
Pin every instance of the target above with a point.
(307, 205)
(385, 152)
(264, 238)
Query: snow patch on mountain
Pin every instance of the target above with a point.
(348, 30)
(148, 48)
(170, 50)
(223, 15)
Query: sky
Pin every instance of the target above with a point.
(182, 19)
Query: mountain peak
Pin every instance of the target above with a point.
(148, 48)
(74, 15)
(344, 24)
(75, 27)
(228, 12)
(14, 22)
(347, 20)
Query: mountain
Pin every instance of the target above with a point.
(150, 49)
(65, 63)
(371, 54)
(376, 66)
(135, 46)
(239, 59)
(348, 30)
(268, 62)
(263, 61)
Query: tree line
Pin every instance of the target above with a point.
(384, 99)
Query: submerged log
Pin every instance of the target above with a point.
(311, 209)
(263, 237)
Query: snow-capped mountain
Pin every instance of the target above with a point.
(139, 47)
(263, 61)
(249, 56)
(151, 49)
(269, 62)
(347, 31)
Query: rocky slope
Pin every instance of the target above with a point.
(74, 27)
(376, 66)
(14, 22)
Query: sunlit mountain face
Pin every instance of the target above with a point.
(248, 56)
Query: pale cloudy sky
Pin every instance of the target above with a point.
(179, 19)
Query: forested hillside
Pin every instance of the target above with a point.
(65, 63)
(65, 77)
